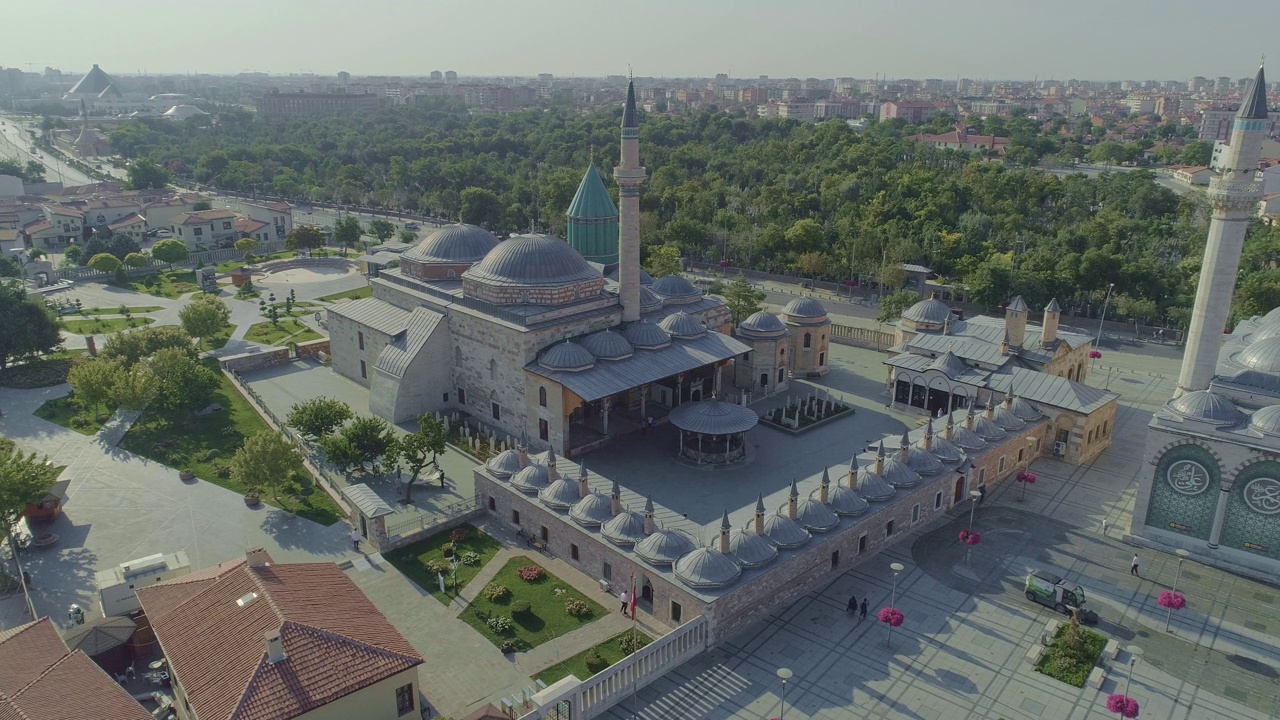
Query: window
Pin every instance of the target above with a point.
(915, 513)
(822, 359)
(888, 529)
(515, 517)
(404, 699)
(573, 551)
(462, 396)
(545, 533)
(676, 611)
(544, 430)
(360, 339)
(764, 380)
(1001, 465)
(982, 476)
(782, 352)
(364, 371)
(808, 341)
(226, 225)
(446, 397)
(835, 559)
(493, 504)
(1020, 452)
(607, 571)
(457, 357)
(862, 543)
(495, 410)
(542, 396)
(937, 500)
(197, 231)
(782, 373)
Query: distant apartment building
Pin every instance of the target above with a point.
(796, 109)
(1140, 105)
(314, 105)
(1216, 123)
(915, 113)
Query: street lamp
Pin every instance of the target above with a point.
(893, 595)
(1135, 653)
(974, 496)
(784, 674)
(1025, 477)
(1098, 342)
(1182, 555)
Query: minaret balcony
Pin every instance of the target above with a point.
(1234, 194)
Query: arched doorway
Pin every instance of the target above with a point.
(646, 591)
(959, 494)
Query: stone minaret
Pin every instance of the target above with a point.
(629, 174)
(1234, 195)
(648, 516)
(759, 523)
(1015, 321)
(724, 533)
(1049, 328)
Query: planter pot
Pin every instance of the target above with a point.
(186, 476)
(251, 500)
(290, 514)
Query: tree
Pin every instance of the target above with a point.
(131, 347)
(205, 316)
(318, 417)
(805, 236)
(663, 260)
(408, 236)
(136, 260)
(183, 383)
(135, 388)
(246, 245)
(94, 382)
(105, 262)
(347, 231)
(382, 229)
(200, 205)
(814, 263)
(305, 237)
(421, 448)
(10, 268)
(29, 328)
(266, 461)
(892, 305)
(144, 174)
(370, 436)
(1197, 153)
(481, 206)
(170, 251)
(339, 452)
(742, 298)
(24, 479)
(73, 252)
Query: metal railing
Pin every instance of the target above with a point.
(408, 522)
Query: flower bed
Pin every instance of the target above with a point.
(610, 651)
(414, 560)
(1072, 654)
(548, 616)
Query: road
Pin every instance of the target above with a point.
(15, 143)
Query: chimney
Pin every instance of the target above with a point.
(1004, 344)
(760, 514)
(275, 647)
(1049, 329)
(928, 435)
(1015, 321)
(852, 475)
(946, 326)
(724, 533)
(257, 558)
(648, 516)
(880, 459)
(990, 412)
(904, 448)
(792, 500)
(950, 430)
(1008, 400)
(524, 452)
(824, 490)
(616, 497)
(968, 419)
(583, 488)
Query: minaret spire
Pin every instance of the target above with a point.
(629, 174)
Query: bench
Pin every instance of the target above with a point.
(1034, 653)
(1111, 649)
(1097, 677)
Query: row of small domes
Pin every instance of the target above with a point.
(574, 356)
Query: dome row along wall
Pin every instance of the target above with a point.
(532, 295)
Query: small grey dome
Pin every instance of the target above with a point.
(649, 300)
(898, 474)
(949, 364)
(646, 336)
(923, 463)
(626, 528)
(814, 516)
(987, 428)
(456, 244)
(750, 550)
(945, 450)
(967, 439)
(1007, 419)
(805, 307)
(1206, 406)
(706, 569)
(592, 510)
(532, 261)
(713, 417)
(843, 501)
(531, 480)
(1266, 329)
(645, 278)
(763, 323)
(1267, 421)
(930, 310)
(664, 547)
(1262, 355)
(682, 325)
(873, 487)
(675, 288)
(568, 356)
(504, 464)
(560, 495)
(785, 532)
(607, 345)
(1025, 410)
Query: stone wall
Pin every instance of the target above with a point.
(345, 335)
(516, 295)
(861, 337)
(249, 362)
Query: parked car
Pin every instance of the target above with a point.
(163, 233)
(412, 226)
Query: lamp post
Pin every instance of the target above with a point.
(974, 496)
(1182, 555)
(1098, 341)
(1135, 652)
(1026, 475)
(893, 596)
(784, 674)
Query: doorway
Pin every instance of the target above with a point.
(959, 494)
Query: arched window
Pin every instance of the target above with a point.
(451, 274)
(822, 359)
(764, 380)
(782, 373)
(782, 352)
(493, 369)
(542, 396)
(808, 341)
(457, 357)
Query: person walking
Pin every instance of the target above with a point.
(625, 597)
(982, 493)
(355, 539)
(853, 604)
(1133, 566)
(862, 610)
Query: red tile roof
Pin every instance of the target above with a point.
(202, 216)
(41, 680)
(37, 226)
(127, 220)
(335, 641)
(249, 225)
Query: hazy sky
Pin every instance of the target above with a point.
(1095, 39)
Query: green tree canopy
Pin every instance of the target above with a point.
(306, 238)
(481, 206)
(892, 305)
(370, 436)
(663, 260)
(318, 417)
(144, 174)
(382, 229)
(24, 479)
(247, 246)
(183, 383)
(136, 260)
(205, 316)
(93, 382)
(105, 262)
(170, 251)
(266, 461)
(742, 298)
(421, 448)
(29, 328)
(132, 346)
(347, 231)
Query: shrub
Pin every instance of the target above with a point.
(508, 647)
(519, 607)
(439, 567)
(448, 551)
(223, 472)
(632, 642)
(458, 535)
(499, 624)
(470, 558)
(493, 592)
(531, 573)
(213, 454)
(576, 608)
(595, 663)
(81, 420)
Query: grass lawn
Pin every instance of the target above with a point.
(214, 342)
(1071, 665)
(205, 444)
(610, 651)
(360, 292)
(103, 326)
(116, 310)
(266, 333)
(229, 265)
(546, 619)
(59, 411)
(412, 561)
(166, 285)
(44, 372)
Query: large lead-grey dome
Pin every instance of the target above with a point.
(626, 528)
(713, 417)
(532, 479)
(706, 569)
(750, 550)
(646, 336)
(456, 244)
(1267, 421)
(592, 510)
(762, 324)
(1206, 406)
(645, 278)
(674, 288)
(568, 356)
(930, 310)
(532, 261)
(607, 345)
(664, 547)
(1262, 355)
(560, 495)
(504, 464)
(682, 325)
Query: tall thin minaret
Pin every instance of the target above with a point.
(629, 174)
(1234, 195)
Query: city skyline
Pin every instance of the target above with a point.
(986, 39)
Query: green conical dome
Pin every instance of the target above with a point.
(593, 220)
